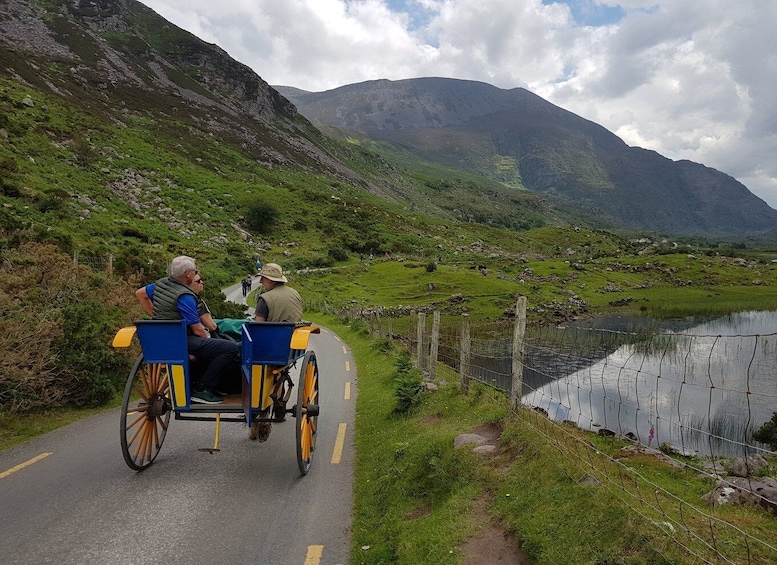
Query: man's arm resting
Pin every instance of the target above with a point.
(144, 300)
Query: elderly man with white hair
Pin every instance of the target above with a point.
(171, 298)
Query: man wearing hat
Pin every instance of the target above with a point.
(278, 302)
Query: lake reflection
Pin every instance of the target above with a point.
(704, 387)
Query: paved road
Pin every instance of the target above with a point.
(68, 498)
(234, 293)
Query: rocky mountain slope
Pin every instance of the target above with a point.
(519, 139)
(118, 58)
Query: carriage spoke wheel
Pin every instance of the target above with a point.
(307, 412)
(145, 413)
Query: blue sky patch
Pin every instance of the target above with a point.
(591, 13)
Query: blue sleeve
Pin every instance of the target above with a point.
(150, 291)
(187, 306)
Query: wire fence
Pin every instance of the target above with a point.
(698, 393)
(97, 263)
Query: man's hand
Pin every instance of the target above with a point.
(199, 330)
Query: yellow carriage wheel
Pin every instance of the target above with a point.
(145, 413)
(307, 412)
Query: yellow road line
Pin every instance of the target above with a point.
(345, 351)
(347, 367)
(339, 442)
(347, 391)
(21, 466)
(314, 554)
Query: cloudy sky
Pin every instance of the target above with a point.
(690, 79)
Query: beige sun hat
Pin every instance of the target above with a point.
(273, 272)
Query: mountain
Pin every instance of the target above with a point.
(121, 133)
(524, 142)
(118, 59)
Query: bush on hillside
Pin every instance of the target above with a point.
(260, 215)
(768, 433)
(92, 372)
(56, 327)
(409, 382)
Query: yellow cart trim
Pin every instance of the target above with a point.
(256, 384)
(179, 385)
(301, 335)
(123, 337)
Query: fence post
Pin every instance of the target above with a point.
(110, 263)
(411, 329)
(465, 354)
(519, 333)
(420, 342)
(378, 320)
(435, 345)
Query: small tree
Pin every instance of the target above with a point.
(260, 215)
(768, 433)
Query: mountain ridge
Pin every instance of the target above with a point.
(578, 164)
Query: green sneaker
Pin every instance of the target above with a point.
(205, 397)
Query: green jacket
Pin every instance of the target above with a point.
(167, 291)
(284, 304)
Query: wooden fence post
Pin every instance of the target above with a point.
(420, 342)
(465, 354)
(411, 329)
(519, 333)
(435, 345)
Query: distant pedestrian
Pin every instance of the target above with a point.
(245, 285)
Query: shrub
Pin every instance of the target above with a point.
(94, 373)
(431, 267)
(768, 433)
(337, 253)
(260, 215)
(384, 345)
(409, 381)
(56, 330)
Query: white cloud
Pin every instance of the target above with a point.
(691, 79)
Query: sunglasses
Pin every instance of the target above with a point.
(200, 281)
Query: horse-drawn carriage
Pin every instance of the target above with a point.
(160, 384)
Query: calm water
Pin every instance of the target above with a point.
(703, 386)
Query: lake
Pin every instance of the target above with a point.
(702, 385)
